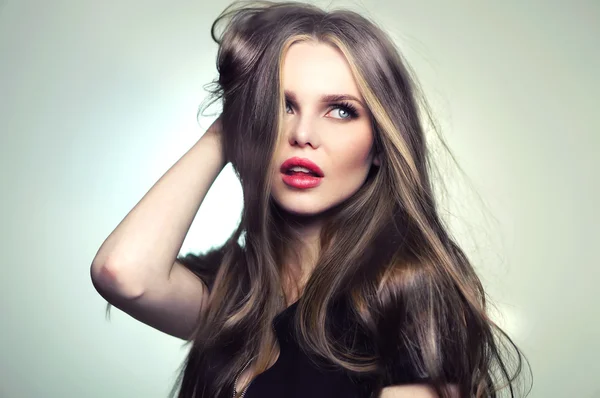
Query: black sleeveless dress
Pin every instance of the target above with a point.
(294, 375)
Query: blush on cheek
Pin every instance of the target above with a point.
(355, 151)
(358, 161)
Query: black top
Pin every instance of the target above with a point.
(294, 375)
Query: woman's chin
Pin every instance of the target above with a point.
(300, 210)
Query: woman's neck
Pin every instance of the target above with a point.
(300, 259)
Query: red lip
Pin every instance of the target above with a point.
(302, 162)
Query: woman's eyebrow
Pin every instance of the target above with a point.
(326, 97)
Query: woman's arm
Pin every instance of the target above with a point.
(140, 253)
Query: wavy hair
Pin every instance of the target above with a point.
(384, 251)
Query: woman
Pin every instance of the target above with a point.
(341, 279)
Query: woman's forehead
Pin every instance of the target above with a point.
(314, 70)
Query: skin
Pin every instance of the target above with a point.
(342, 146)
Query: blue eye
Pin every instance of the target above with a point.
(347, 108)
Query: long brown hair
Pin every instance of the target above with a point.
(384, 251)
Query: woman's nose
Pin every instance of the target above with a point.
(303, 132)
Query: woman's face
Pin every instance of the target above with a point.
(336, 138)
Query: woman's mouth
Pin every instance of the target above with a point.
(301, 179)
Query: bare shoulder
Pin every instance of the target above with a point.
(415, 391)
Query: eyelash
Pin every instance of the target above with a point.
(346, 106)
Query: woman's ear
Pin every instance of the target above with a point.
(376, 160)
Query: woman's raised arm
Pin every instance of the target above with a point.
(135, 268)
